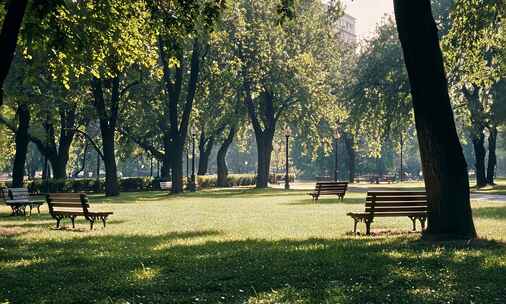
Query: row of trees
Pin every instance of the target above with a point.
(147, 72)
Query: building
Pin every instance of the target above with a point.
(346, 25)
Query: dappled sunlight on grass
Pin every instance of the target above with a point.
(256, 246)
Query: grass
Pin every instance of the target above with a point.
(245, 246)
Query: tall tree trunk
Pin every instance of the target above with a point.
(177, 168)
(478, 140)
(348, 140)
(264, 150)
(9, 37)
(443, 162)
(477, 133)
(166, 159)
(22, 140)
(492, 158)
(107, 129)
(111, 174)
(205, 148)
(221, 159)
(59, 168)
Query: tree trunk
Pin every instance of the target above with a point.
(221, 159)
(59, 167)
(177, 168)
(478, 141)
(264, 148)
(205, 148)
(18, 170)
(492, 158)
(111, 174)
(9, 37)
(443, 162)
(348, 139)
(107, 129)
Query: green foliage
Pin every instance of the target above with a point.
(378, 92)
(294, 64)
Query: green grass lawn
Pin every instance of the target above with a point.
(245, 246)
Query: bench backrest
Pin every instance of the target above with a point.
(18, 194)
(331, 187)
(396, 201)
(77, 202)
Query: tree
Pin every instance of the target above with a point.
(377, 95)
(443, 163)
(9, 37)
(102, 43)
(286, 69)
(472, 50)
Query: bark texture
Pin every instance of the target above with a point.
(22, 140)
(9, 37)
(107, 121)
(492, 157)
(221, 159)
(443, 163)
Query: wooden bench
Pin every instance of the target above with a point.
(413, 204)
(165, 185)
(19, 198)
(72, 205)
(329, 188)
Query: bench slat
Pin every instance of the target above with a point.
(69, 205)
(397, 199)
(396, 204)
(392, 209)
(395, 193)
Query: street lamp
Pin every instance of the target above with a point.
(47, 125)
(337, 135)
(193, 185)
(288, 133)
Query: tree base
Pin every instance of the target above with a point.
(442, 237)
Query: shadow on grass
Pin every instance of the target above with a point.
(490, 212)
(219, 193)
(496, 189)
(193, 266)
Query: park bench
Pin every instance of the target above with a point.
(165, 185)
(72, 205)
(329, 188)
(413, 204)
(19, 198)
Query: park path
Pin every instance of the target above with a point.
(362, 188)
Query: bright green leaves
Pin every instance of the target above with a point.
(100, 39)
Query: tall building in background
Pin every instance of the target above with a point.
(346, 25)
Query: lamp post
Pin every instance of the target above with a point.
(288, 132)
(336, 138)
(187, 163)
(401, 160)
(46, 163)
(193, 185)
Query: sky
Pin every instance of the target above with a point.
(368, 14)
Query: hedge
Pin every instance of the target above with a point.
(135, 184)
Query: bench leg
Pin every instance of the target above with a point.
(30, 210)
(422, 222)
(413, 219)
(91, 224)
(73, 218)
(368, 222)
(355, 226)
(58, 219)
(104, 218)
